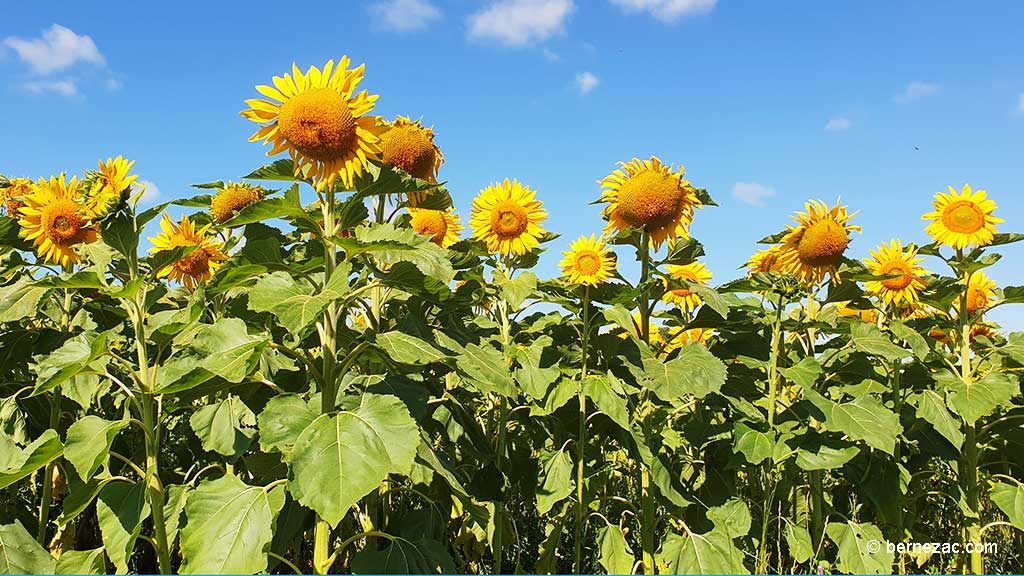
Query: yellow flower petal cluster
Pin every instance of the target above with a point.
(507, 217)
(197, 266)
(962, 220)
(588, 262)
(56, 220)
(647, 195)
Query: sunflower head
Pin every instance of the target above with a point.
(647, 195)
(56, 220)
(904, 265)
(588, 262)
(232, 198)
(679, 338)
(443, 226)
(198, 265)
(962, 220)
(109, 186)
(320, 120)
(11, 197)
(980, 292)
(507, 217)
(765, 260)
(409, 146)
(694, 272)
(815, 246)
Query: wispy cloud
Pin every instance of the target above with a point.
(520, 22)
(62, 87)
(669, 11)
(916, 91)
(550, 55)
(151, 193)
(837, 124)
(57, 49)
(404, 15)
(586, 82)
(752, 193)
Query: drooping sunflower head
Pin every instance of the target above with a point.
(320, 120)
(980, 292)
(443, 226)
(962, 220)
(890, 260)
(198, 265)
(56, 220)
(409, 146)
(588, 262)
(232, 198)
(647, 195)
(11, 197)
(108, 186)
(694, 272)
(507, 217)
(678, 338)
(765, 260)
(814, 247)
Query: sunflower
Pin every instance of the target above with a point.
(507, 217)
(200, 264)
(55, 219)
(588, 262)
(320, 121)
(765, 260)
(963, 219)
(683, 337)
(980, 293)
(232, 198)
(443, 226)
(109, 186)
(695, 273)
(10, 197)
(408, 146)
(650, 196)
(869, 315)
(814, 247)
(891, 259)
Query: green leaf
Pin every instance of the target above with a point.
(865, 418)
(282, 421)
(44, 450)
(121, 509)
(733, 517)
(620, 316)
(981, 397)
(869, 339)
(230, 526)
(82, 279)
(79, 354)
(21, 554)
(402, 556)
(88, 443)
(615, 555)
(175, 497)
(483, 366)
(856, 553)
(226, 427)
(224, 349)
(798, 539)
(517, 290)
(756, 446)
(82, 562)
(288, 206)
(709, 553)
(932, 409)
(805, 373)
(532, 378)
(280, 170)
(711, 298)
(388, 245)
(660, 473)
(406, 349)
(918, 345)
(119, 232)
(293, 302)
(558, 482)
(824, 457)
(1010, 499)
(695, 371)
(599, 389)
(340, 458)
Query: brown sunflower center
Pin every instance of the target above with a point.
(899, 282)
(431, 223)
(63, 223)
(588, 263)
(823, 243)
(195, 264)
(509, 220)
(319, 124)
(963, 216)
(650, 200)
(411, 149)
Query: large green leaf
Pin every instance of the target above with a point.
(39, 453)
(709, 553)
(869, 339)
(282, 421)
(801, 549)
(862, 548)
(388, 245)
(79, 354)
(695, 371)
(756, 446)
(294, 302)
(558, 481)
(615, 555)
(82, 562)
(121, 509)
(230, 526)
(226, 427)
(599, 389)
(224, 349)
(288, 206)
(21, 554)
(402, 556)
(88, 443)
(406, 349)
(931, 408)
(733, 517)
(20, 300)
(1010, 499)
(483, 366)
(533, 378)
(981, 397)
(865, 418)
(340, 458)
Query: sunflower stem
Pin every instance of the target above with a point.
(968, 464)
(581, 440)
(646, 494)
(46, 499)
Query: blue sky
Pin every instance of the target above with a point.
(766, 104)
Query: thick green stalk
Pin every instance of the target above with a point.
(502, 407)
(768, 476)
(646, 493)
(55, 407)
(897, 373)
(581, 439)
(969, 461)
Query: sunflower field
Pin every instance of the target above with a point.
(369, 383)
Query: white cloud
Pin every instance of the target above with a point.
(752, 193)
(669, 11)
(62, 87)
(520, 22)
(550, 55)
(405, 15)
(837, 124)
(151, 194)
(57, 49)
(916, 91)
(585, 82)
